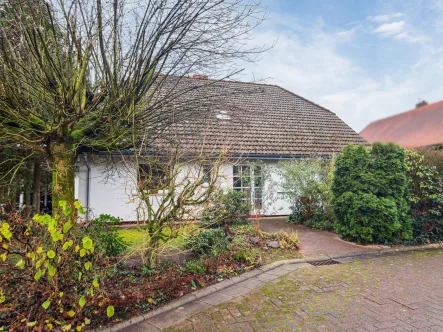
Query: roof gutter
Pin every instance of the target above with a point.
(280, 156)
(240, 155)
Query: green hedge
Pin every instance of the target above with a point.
(370, 194)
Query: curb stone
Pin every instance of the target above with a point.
(195, 296)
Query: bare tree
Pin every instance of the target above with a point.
(171, 189)
(80, 75)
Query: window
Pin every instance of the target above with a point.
(206, 169)
(222, 115)
(249, 180)
(152, 177)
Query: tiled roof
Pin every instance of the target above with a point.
(259, 119)
(421, 126)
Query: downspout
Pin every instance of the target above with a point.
(88, 186)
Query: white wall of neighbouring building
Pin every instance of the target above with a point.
(112, 189)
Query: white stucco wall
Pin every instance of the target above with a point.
(113, 190)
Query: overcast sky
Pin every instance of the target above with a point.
(362, 59)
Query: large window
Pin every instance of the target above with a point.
(152, 177)
(249, 180)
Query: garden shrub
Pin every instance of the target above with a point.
(52, 277)
(196, 267)
(241, 247)
(391, 182)
(426, 193)
(105, 235)
(433, 157)
(286, 240)
(366, 218)
(211, 241)
(225, 209)
(426, 229)
(307, 184)
(323, 222)
(353, 171)
(370, 189)
(425, 197)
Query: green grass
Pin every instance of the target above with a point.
(135, 236)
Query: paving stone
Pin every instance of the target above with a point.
(292, 267)
(252, 283)
(394, 293)
(279, 271)
(235, 290)
(141, 327)
(266, 277)
(216, 298)
(169, 318)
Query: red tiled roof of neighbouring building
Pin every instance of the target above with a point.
(421, 126)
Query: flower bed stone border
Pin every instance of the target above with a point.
(199, 294)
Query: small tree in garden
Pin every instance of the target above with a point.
(307, 184)
(370, 190)
(50, 277)
(171, 188)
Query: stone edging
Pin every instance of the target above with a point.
(174, 304)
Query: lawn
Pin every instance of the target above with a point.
(134, 236)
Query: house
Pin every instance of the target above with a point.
(419, 127)
(254, 122)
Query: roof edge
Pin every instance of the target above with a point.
(307, 100)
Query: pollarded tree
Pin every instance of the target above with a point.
(80, 75)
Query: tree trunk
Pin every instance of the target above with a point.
(151, 253)
(63, 173)
(27, 191)
(28, 181)
(36, 185)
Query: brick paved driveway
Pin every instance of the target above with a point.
(313, 242)
(397, 293)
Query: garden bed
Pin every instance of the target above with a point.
(134, 289)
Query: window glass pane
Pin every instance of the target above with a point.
(152, 176)
(258, 198)
(246, 181)
(236, 170)
(258, 182)
(206, 169)
(237, 182)
(247, 195)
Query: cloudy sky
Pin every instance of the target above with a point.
(362, 59)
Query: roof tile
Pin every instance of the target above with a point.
(421, 126)
(263, 119)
